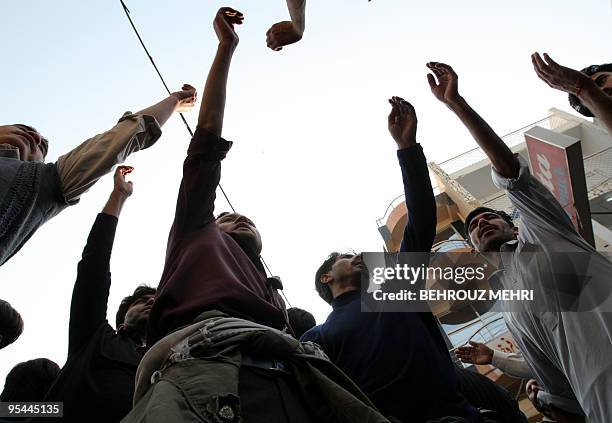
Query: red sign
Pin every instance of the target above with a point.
(556, 160)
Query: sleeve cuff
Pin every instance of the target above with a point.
(499, 359)
(411, 154)
(148, 126)
(205, 143)
(512, 184)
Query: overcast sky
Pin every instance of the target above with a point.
(312, 163)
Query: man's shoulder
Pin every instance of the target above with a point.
(11, 165)
(98, 336)
(313, 334)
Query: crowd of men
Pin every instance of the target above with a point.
(214, 341)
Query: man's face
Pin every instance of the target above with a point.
(241, 227)
(27, 140)
(346, 268)
(488, 231)
(604, 81)
(138, 312)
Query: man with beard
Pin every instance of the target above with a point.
(97, 382)
(565, 333)
(399, 359)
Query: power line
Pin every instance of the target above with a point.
(127, 13)
(271, 274)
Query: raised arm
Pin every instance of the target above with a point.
(574, 82)
(420, 227)
(80, 168)
(91, 289)
(288, 32)
(202, 168)
(213, 101)
(444, 86)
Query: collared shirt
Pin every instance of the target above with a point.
(97, 382)
(206, 269)
(568, 352)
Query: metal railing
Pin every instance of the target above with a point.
(396, 202)
(483, 329)
(511, 139)
(598, 172)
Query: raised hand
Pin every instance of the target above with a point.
(402, 122)
(475, 353)
(186, 98)
(282, 34)
(123, 187)
(446, 88)
(559, 77)
(224, 22)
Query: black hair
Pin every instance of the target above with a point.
(300, 321)
(45, 144)
(141, 291)
(479, 210)
(323, 289)
(11, 324)
(222, 214)
(588, 71)
(29, 381)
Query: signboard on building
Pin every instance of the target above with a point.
(556, 160)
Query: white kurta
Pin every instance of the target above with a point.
(565, 334)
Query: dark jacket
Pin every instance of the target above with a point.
(400, 360)
(97, 381)
(206, 269)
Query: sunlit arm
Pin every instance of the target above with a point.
(501, 157)
(115, 203)
(163, 110)
(213, 101)
(297, 11)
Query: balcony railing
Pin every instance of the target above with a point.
(512, 139)
(396, 202)
(598, 172)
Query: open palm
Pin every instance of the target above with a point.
(444, 86)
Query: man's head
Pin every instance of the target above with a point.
(488, 229)
(29, 381)
(134, 310)
(602, 76)
(339, 273)
(32, 146)
(11, 324)
(300, 321)
(241, 227)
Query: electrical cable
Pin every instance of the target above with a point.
(128, 13)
